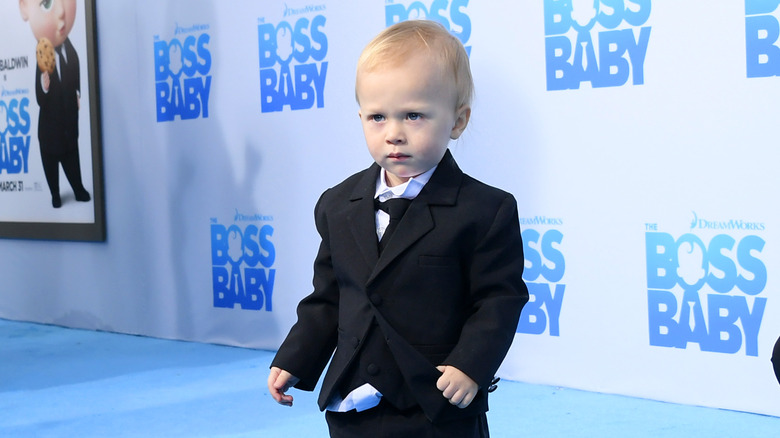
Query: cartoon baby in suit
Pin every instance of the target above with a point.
(58, 92)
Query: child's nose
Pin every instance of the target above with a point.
(394, 134)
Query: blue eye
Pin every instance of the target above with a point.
(46, 5)
(414, 116)
(377, 118)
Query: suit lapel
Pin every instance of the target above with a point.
(442, 189)
(361, 216)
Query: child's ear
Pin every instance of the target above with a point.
(461, 121)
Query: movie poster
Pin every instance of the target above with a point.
(50, 161)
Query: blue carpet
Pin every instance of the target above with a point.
(58, 382)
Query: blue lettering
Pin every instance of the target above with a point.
(18, 116)
(662, 307)
(251, 248)
(552, 254)
(692, 327)
(317, 36)
(242, 262)
(203, 53)
(724, 312)
(661, 254)
(301, 40)
(189, 57)
(662, 262)
(186, 95)
(620, 51)
(220, 278)
(533, 258)
(161, 60)
(637, 50)
(396, 13)
(762, 55)
(268, 256)
(728, 322)
(543, 305)
(266, 36)
(461, 19)
(533, 319)
(585, 67)
(434, 13)
(191, 108)
(296, 86)
(752, 265)
(269, 102)
(251, 290)
(559, 71)
(259, 289)
(751, 323)
(613, 20)
(302, 46)
(14, 155)
(219, 245)
(298, 90)
(753, 7)
(640, 15)
(14, 142)
(721, 262)
(189, 100)
(165, 110)
(612, 68)
(615, 68)
(557, 17)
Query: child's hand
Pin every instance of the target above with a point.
(456, 386)
(279, 381)
(45, 82)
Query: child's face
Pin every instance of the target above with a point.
(52, 19)
(409, 116)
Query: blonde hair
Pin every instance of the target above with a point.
(398, 41)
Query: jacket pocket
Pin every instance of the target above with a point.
(436, 354)
(437, 261)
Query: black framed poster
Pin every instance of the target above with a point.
(51, 175)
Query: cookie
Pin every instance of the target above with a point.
(45, 55)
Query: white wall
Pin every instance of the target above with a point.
(611, 181)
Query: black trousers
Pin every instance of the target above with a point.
(70, 164)
(385, 421)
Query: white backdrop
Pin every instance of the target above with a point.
(639, 140)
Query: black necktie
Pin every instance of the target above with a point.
(396, 208)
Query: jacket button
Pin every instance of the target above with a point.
(376, 299)
(372, 369)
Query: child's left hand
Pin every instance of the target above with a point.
(456, 386)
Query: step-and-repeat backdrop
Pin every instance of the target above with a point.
(639, 137)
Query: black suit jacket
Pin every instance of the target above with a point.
(447, 289)
(58, 121)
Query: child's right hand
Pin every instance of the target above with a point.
(45, 82)
(279, 381)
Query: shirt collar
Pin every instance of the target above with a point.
(409, 190)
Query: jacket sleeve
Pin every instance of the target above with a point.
(498, 295)
(312, 339)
